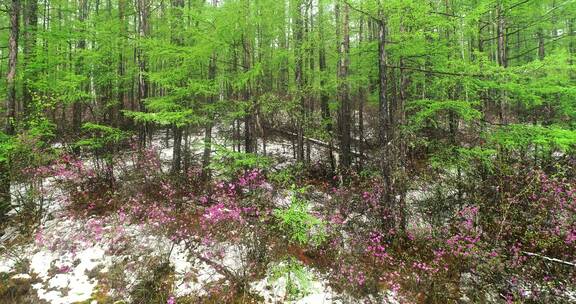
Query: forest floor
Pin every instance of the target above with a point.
(245, 237)
(84, 259)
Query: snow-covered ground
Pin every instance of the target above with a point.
(70, 255)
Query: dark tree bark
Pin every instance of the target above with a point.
(384, 117)
(177, 149)
(325, 97)
(117, 109)
(30, 26)
(501, 56)
(12, 63)
(299, 77)
(143, 7)
(209, 125)
(541, 49)
(385, 125)
(5, 179)
(77, 107)
(362, 94)
(249, 119)
(283, 78)
(177, 39)
(343, 87)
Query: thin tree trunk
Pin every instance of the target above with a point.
(77, 107)
(343, 89)
(177, 150)
(249, 125)
(325, 97)
(144, 31)
(5, 179)
(299, 77)
(30, 25)
(502, 57)
(361, 97)
(384, 131)
(572, 46)
(209, 125)
(12, 63)
(177, 39)
(541, 50)
(117, 118)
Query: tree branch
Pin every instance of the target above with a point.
(375, 18)
(549, 259)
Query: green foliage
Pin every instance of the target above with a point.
(520, 136)
(287, 176)
(164, 118)
(428, 111)
(7, 145)
(463, 158)
(101, 136)
(298, 278)
(299, 225)
(229, 163)
(41, 129)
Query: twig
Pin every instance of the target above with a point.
(549, 259)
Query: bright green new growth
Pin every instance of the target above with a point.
(7, 144)
(298, 278)
(548, 139)
(229, 163)
(299, 225)
(101, 136)
(427, 111)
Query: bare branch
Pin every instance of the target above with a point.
(549, 259)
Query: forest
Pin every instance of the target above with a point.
(287, 151)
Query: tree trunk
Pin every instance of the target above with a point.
(361, 97)
(384, 121)
(324, 96)
(502, 57)
(177, 39)
(144, 31)
(283, 77)
(343, 89)
(541, 50)
(384, 131)
(177, 150)
(299, 77)
(5, 179)
(30, 25)
(12, 63)
(117, 118)
(77, 107)
(572, 46)
(208, 129)
(249, 124)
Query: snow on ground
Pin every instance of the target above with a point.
(69, 254)
(274, 291)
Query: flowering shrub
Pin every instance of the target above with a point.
(512, 237)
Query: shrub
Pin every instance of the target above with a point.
(299, 224)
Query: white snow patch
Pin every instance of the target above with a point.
(22, 276)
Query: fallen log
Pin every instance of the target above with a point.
(313, 140)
